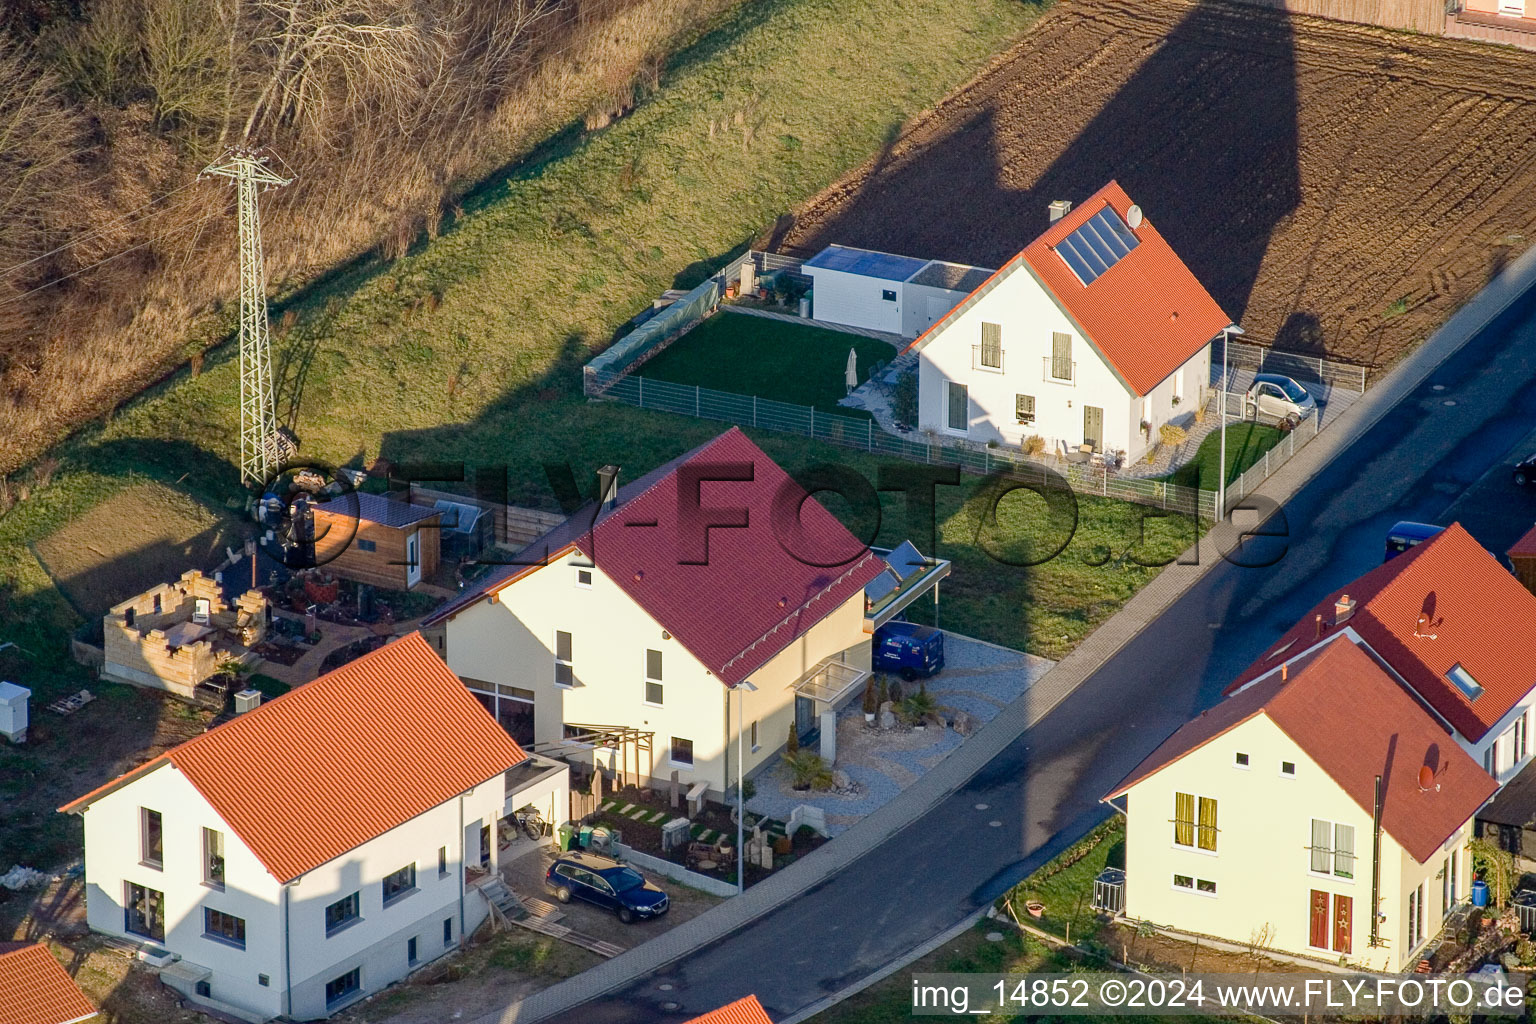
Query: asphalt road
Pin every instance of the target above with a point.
(1444, 451)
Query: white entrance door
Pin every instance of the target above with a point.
(413, 560)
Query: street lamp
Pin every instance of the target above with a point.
(1221, 464)
(742, 688)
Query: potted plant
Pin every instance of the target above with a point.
(871, 706)
(808, 771)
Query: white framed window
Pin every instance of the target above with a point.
(584, 578)
(1240, 760)
(213, 858)
(653, 688)
(1189, 883)
(1024, 408)
(399, 884)
(1415, 920)
(225, 928)
(753, 736)
(151, 839)
(565, 674)
(1178, 386)
(1288, 769)
(1332, 851)
(1520, 736)
(958, 415)
(1194, 822)
(682, 752)
(1491, 759)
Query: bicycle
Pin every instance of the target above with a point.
(530, 822)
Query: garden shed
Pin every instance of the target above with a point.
(880, 291)
(371, 538)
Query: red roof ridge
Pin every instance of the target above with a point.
(1526, 545)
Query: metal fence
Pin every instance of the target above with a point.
(1273, 459)
(1295, 364)
(863, 434)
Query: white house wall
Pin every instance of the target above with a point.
(1261, 864)
(923, 305)
(1029, 317)
(112, 857)
(511, 641)
(376, 943)
(843, 298)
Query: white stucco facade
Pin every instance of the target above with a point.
(856, 300)
(1029, 318)
(288, 957)
(1261, 868)
(510, 640)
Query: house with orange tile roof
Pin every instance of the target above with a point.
(318, 848)
(1096, 333)
(743, 1011)
(626, 634)
(1321, 811)
(35, 988)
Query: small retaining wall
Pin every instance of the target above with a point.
(676, 872)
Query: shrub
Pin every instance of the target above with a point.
(1171, 435)
(904, 402)
(870, 704)
(792, 745)
(1034, 444)
(917, 708)
(882, 693)
(895, 691)
(808, 770)
(1199, 414)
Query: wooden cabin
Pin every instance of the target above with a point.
(371, 538)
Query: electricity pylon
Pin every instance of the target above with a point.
(260, 444)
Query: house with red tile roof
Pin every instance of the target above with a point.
(631, 631)
(1256, 821)
(1451, 623)
(35, 988)
(317, 848)
(742, 1011)
(1095, 333)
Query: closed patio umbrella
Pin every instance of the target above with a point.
(851, 374)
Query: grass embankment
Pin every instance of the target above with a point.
(749, 355)
(469, 346)
(1246, 444)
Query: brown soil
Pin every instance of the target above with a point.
(138, 538)
(1339, 189)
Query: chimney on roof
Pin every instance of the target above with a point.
(1059, 209)
(1343, 608)
(1285, 671)
(608, 487)
(1317, 624)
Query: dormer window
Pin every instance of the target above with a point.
(1463, 681)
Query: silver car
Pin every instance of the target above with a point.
(1277, 397)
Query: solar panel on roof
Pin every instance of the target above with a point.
(906, 559)
(1101, 242)
(881, 586)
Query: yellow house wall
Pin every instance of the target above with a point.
(1261, 864)
(511, 641)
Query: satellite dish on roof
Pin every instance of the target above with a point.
(1133, 217)
(1427, 779)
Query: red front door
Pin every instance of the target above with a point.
(1342, 910)
(1318, 933)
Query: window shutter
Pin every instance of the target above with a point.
(1061, 356)
(1317, 933)
(992, 345)
(1207, 823)
(653, 664)
(959, 406)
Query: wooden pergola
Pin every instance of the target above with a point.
(622, 738)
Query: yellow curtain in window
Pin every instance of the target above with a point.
(1207, 823)
(1184, 819)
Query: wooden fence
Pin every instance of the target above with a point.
(1419, 15)
(514, 525)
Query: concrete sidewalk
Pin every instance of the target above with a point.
(1041, 698)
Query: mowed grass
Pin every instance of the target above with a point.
(752, 355)
(1246, 444)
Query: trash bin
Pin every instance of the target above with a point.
(1479, 894)
(584, 837)
(564, 833)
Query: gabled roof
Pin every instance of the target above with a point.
(1526, 545)
(1478, 616)
(865, 262)
(753, 597)
(35, 989)
(1356, 722)
(742, 1011)
(334, 763)
(1147, 314)
(375, 508)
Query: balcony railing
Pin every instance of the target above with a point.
(985, 357)
(1060, 371)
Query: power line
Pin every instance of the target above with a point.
(148, 241)
(110, 226)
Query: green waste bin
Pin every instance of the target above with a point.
(584, 837)
(564, 833)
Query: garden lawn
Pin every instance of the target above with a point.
(1246, 444)
(752, 355)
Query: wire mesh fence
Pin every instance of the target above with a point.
(1273, 459)
(1295, 364)
(864, 434)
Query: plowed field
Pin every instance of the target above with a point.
(1340, 189)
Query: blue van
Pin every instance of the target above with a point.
(1405, 535)
(908, 649)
